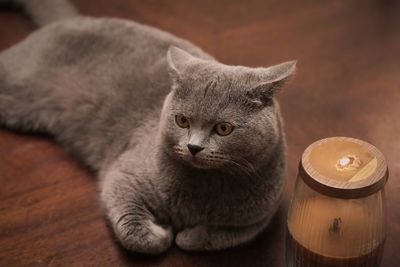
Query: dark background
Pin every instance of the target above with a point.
(347, 84)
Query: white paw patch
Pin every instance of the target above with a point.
(159, 232)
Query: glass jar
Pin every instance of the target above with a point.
(337, 215)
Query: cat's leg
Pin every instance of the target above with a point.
(204, 237)
(126, 203)
(25, 104)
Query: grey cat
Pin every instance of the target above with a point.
(186, 148)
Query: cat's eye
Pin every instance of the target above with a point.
(182, 121)
(223, 128)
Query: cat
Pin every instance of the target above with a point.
(187, 149)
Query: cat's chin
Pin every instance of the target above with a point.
(196, 162)
(199, 164)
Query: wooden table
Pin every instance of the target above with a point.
(347, 84)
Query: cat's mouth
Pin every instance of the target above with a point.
(199, 161)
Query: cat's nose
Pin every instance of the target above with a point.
(194, 149)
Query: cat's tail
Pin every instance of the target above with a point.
(44, 12)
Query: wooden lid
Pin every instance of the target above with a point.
(343, 167)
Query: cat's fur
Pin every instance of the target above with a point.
(109, 91)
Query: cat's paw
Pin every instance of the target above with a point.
(148, 237)
(195, 238)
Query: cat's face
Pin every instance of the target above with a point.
(218, 116)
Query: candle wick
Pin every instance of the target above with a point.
(335, 226)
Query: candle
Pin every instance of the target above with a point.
(340, 233)
(337, 216)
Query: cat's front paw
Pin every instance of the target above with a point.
(148, 237)
(195, 238)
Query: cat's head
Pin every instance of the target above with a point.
(218, 116)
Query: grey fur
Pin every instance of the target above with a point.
(109, 90)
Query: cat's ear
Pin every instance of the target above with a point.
(178, 59)
(270, 80)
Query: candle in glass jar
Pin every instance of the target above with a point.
(337, 216)
(339, 234)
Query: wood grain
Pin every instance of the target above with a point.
(320, 170)
(347, 84)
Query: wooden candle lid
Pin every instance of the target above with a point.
(343, 167)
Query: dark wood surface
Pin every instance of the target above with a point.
(347, 84)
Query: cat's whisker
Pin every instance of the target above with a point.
(242, 166)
